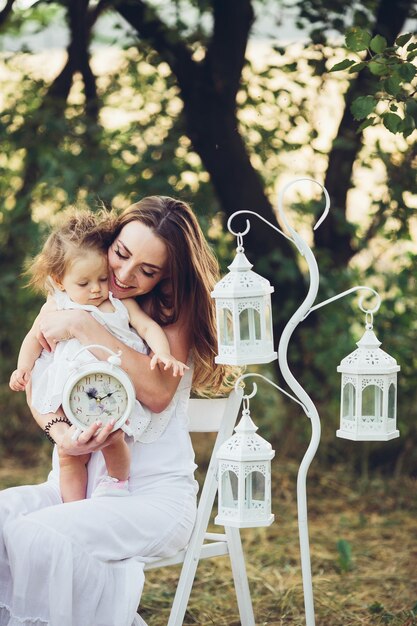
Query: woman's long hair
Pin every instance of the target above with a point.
(191, 275)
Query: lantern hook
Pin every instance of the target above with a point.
(347, 292)
(247, 397)
(242, 378)
(295, 237)
(369, 320)
(363, 296)
(245, 232)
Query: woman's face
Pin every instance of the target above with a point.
(137, 261)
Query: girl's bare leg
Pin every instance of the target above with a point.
(117, 457)
(72, 470)
(73, 476)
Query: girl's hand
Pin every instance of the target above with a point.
(169, 362)
(19, 379)
(89, 441)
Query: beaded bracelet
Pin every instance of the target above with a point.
(55, 420)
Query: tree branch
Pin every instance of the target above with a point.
(95, 12)
(226, 51)
(4, 14)
(164, 40)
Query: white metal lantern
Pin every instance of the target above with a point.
(369, 392)
(244, 475)
(244, 319)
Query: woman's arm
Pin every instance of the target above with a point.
(154, 388)
(89, 441)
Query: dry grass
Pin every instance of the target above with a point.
(376, 585)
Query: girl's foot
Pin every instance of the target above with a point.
(109, 486)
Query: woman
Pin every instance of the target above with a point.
(81, 563)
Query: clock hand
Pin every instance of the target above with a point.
(92, 393)
(106, 396)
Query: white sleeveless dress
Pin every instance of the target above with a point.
(51, 368)
(81, 563)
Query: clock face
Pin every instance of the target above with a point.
(98, 396)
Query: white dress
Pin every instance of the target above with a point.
(81, 563)
(51, 368)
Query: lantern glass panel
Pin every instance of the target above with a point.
(268, 322)
(254, 490)
(372, 402)
(349, 401)
(229, 489)
(244, 325)
(250, 325)
(257, 324)
(226, 327)
(391, 401)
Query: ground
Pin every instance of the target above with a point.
(363, 538)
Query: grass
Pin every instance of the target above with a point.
(363, 539)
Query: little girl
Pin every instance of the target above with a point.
(72, 269)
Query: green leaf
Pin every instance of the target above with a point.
(357, 39)
(357, 67)
(411, 108)
(403, 39)
(407, 71)
(412, 46)
(378, 44)
(408, 126)
(363, 106)
(345, 555)
(376, 608)
(343, 65)
(392, 121)
(392, 85)
(370, 121)
(378, 68)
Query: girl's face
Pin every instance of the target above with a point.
(86, 279)
(137, 261)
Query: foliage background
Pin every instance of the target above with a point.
(203, 101)
(222, 102)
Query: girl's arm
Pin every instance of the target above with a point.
(29, 352)
(154, 388)
(154, 336)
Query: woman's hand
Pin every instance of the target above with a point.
(55, 326)
(96, 437)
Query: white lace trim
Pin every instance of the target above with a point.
(22, 620)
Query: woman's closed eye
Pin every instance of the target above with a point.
(119, 254)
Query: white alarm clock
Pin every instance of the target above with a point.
(97, 391)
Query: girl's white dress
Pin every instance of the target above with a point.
(52, 368)
(81, 563)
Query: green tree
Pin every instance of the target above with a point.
(213, 127)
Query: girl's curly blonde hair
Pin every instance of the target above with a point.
(77, 231)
